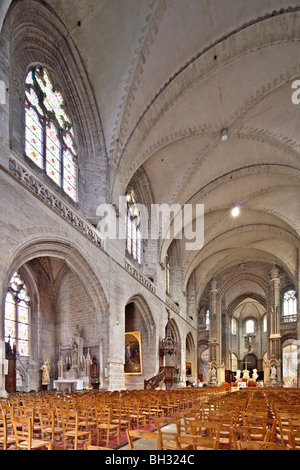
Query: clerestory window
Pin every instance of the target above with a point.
(133, 226)
(49, 133)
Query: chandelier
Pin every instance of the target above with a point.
(168, 345)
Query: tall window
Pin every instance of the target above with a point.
(16, 317)
(167, 275)
(250, 326)
(233, 326)
(289, 310)
(133, 224)
(207, 319)
(49, 133)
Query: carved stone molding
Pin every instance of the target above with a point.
(58, 205)
(140, 276)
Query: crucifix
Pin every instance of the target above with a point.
(249, 337)
(246, 362)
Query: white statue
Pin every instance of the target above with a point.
(255, 374)
(45, 376)
(238, 375)
(245, 374)
(273, 372)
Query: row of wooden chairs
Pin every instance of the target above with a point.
(228, 419)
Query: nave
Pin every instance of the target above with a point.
(180, 419)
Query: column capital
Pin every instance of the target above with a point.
(213, 285)
(274, 274)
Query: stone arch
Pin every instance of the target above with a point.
(38, 37)
(232, 306)
(72, 256)
(48, 316)
(138, 317)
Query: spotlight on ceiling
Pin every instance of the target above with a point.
(235, 211)
(224, 136)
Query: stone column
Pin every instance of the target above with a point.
(275, 337)
(215, 326)
(3, 370)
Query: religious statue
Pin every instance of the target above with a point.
(255, 374)
(273, 371)
(45, 375)
(245, 374)
(238, 375)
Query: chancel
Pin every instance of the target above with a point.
(150, 223)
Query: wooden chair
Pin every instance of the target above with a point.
(196, 442)
(30, 412)
(48, 423)
(92, 447)
(286, 422)
(24, 439)
(69, 420)
(133, 434)
(6, 436)
(207, 429)
(248, 433)
(136, 416)
(105, 426)
(168, 437)
(259, 445)
(293, 435)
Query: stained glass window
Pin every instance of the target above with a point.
(16, 318)
(133, 224)
(49, 132)
(289, 306)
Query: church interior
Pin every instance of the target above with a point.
(150, 229)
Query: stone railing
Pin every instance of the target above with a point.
(57, 204)
(140, 276)
(172, 305)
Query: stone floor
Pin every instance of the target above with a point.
(145, 444)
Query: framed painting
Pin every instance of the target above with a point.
(133, 353)
(189, 369)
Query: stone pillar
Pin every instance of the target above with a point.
(215, 325)
(275, 337)
(3, 370)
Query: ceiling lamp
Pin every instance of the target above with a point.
(224, 135)
(235, 211)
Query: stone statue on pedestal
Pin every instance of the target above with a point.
(45, 375)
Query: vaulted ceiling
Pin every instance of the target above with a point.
(168, 76)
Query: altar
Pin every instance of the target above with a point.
(69, 385)
(76, 370)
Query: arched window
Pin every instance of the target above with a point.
(167, 275)
(233, 326)
(16, 317)
(250, 326)
(133, 225)
(49, 133)
(289, 309)
(207, 319)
